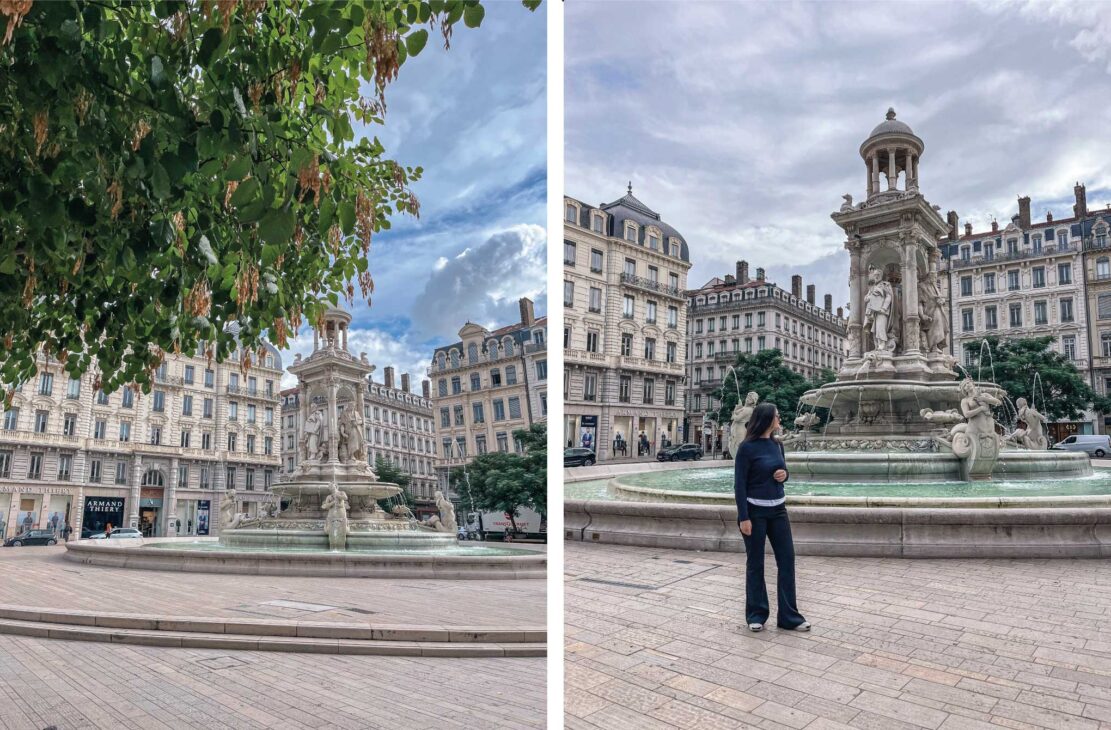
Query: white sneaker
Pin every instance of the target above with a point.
(804, 626)
(755, 627)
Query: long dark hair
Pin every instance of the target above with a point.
(760, 421)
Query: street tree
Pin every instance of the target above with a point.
(390, 474)
(775, 382)
(171, 167)
(505, 482)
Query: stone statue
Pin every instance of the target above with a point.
(229, 515)
(854, 342)
(941, 417)
(932, 315)
(738, 424)
(807, 420)
(314, 440)
(878, 303)
(447, 512)
(335, 522)
(975, 442)
(1031, 431)
(402, 511)
(350, 436)
(848, 204)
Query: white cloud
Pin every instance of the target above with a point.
(483, 283)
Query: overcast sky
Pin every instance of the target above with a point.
(474, 118)
(740, 123)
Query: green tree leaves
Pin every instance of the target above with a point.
(505, 482)
(774, 381)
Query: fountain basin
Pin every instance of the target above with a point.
(359, 538)
(926, 466)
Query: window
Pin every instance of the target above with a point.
(69, 424)
(630, 268)
(477, 413)
(541, 369)
(128, 396)
(1040, 314)
(183, 476)
(121, 472)
(460, 446)
(654, 241)
(1105, 343)
(1016, 315)
(966, 291)
(101, 398)
(568, 253)
(673, 318)
(233, 411)
(269, 416)
(6, 464)
(495, 379)
(229, 477)
(233, 382)
(628, 307)
(457, 410)
(1012, 245)
(1066, 309)
(46, 384)
(100, 428)
(590, 387)
(159, 401)
(670, 352)
(250, 443)
(34, 467)
(65, 461)
(1012, 280)
(991, 320)
(207, 413)
(1068, 346)
(209, 378)
(11, 419)
(1038, 273)
(966, 253)
(649, 348)
(94, 471)
(476, 382)
(592, 341)
(651, 319)
(649, 390)
(669, 393)
(626, 344)
(187, 405)
(596, 261)
(510, 374)
(499, 409)
(41, 420)
(571, 213)
(156, 435)
(595, 299)
(232, 441)
(189, 373)
(673, 280)
(73, 389)
(1064, 273)
(125, 430)
(1037, 242)
(989, 283)
(596, 223)
(1103, 268)
(442, 387)
(206, 440)
(625, 393)
(630, 232)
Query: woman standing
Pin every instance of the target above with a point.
(760, 471)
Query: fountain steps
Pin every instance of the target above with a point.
(246, 635)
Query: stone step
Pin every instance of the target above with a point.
(246, 642)
(249, 629)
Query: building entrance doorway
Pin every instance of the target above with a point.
(148, 521)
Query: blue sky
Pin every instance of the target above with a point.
(740, 123)
(473, 117)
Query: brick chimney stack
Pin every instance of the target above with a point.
(528, 316)
(729, 279)
(405, 382)
(1024, 212)
(829, 302)
(742, 272)
(840, 313)
(1081, 208)
(389, 376)
(426, 388)
(968, 229)
(796, 285)
(759, 274)
(1049, 216)
(810, 294)
(954, 225)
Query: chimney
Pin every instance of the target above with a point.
(829, 302)
(995, 226)
(1024, 212)
(426, 388)
(1049, 216)
(389, 376)
(729, 279)
(1081, 208)
(796, 284)
(759, 274)
(528, 317)
(953, 225)
(742, 272)
(840, 313)
(405, 382)
(810, 294)
(968, 229)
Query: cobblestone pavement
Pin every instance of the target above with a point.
(42, 578)
(73, 685)
(656, 639)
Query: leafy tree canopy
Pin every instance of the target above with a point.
(390, 474)
(1061, 392)
(169, 167)
(774, 381)
(504, 482)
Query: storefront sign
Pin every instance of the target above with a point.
(101, 512)
(28, 489)
(203, 506)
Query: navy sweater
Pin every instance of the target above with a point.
(756, 461)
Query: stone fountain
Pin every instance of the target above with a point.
(331, 501)
(897, 410)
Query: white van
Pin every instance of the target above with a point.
(1097, 446)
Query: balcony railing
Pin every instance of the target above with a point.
(652, 286)
(587, 358)
(252, 392)
(534, 347)
(981, 260)
(644, 363)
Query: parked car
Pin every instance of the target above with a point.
(1097, 446)
(125, 533)
(578, 457)
(32, 537)
(683, 452)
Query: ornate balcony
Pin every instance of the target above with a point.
(655, 287)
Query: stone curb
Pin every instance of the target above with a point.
(181, 639)
(294, 629)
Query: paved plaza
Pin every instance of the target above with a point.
(656, 639)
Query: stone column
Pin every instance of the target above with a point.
(910, 296)
(892, 175)
(868, 169)
(169, 502)
(133, 498)
(333, 442)
(315, 339)
(856, 294)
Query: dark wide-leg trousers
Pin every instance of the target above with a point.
(770, 523)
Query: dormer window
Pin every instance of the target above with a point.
(653, 240)
(1037, 242)
(597, 223)
(630, 232)
(674, 248)
(1101, 235)
(572, 213)
(966, 253)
